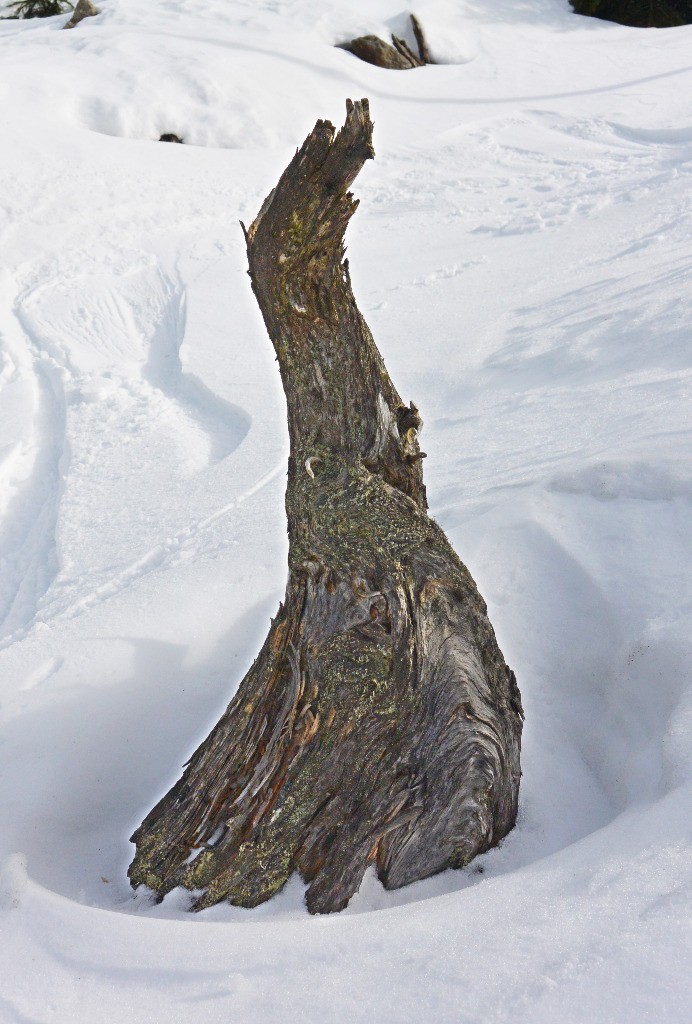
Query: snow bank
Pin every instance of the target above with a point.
(522, 255)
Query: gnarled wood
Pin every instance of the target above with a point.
(379, 723)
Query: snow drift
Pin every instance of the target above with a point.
(522, 256)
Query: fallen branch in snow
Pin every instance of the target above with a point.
(379, 723)
(423, 48)
(397, 57)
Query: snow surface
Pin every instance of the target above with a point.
(522, 254)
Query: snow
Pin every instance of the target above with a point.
(521, 253)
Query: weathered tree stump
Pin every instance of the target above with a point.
(379, 723)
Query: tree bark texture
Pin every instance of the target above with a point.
(379, 723)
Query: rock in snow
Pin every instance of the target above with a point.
(83, 9)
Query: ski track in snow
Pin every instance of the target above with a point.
(31, 481)
(143, 318)
(72, 600)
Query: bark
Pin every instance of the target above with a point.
(406, 52)
(423, 48)
(379, 724)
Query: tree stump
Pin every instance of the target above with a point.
(379, 724)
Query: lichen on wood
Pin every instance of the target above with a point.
(379, 723)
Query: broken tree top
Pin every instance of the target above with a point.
(379, 723)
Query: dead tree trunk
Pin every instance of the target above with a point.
(379, 724)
